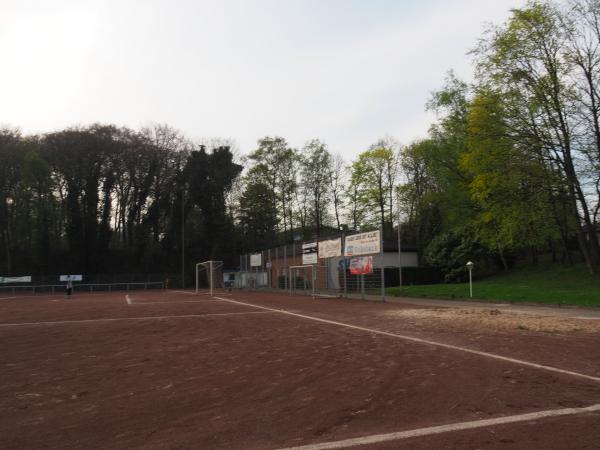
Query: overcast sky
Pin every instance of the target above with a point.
(345, 71)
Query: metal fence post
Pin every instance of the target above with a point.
(362, 286)
(269, 269)
(285, 277)
(344, 264)
(277, 271)
(382, 265)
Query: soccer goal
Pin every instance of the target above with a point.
(302, 278)
(209, 274)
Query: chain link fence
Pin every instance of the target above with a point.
(339, 266)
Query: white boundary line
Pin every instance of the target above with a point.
(423, 341)
(117, 319)
(7, 298)
(198, 293)
(130, 301)
(373, 439)
(172, 302)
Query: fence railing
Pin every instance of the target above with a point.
(79, 287)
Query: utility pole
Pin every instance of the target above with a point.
(182, 236)
(399, 244)
(9, 202)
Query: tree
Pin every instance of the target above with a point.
(275, 165)
(315, 173)
(336, 180)
(524, 63)
(258, 216)
(510, 185)
(376, 172)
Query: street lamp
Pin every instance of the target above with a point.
(399, 243)
(9, 203)
(470, 267)
(183, 236)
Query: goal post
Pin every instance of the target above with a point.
(303, 275)
(210, 274)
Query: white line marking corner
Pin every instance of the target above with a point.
(427, 431)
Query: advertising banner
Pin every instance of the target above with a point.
(256, 260)
(361, 265)
(309, 253)
(26, 279)
(363, 244)
(73, 277)
(331, 248)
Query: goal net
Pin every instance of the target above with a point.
(209, 275)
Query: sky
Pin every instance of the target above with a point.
(348, 72)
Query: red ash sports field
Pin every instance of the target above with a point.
(169, 369)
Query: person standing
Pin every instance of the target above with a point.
(69, 285)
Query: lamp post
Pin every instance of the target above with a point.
(470, 267)
(182, 236)
(9, 202)
(399, 243)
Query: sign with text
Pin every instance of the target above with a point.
(361, 265)
(331, 248)
(309, 253)
(71, 277)
(26, 279)
(363, 244)
(256, 260)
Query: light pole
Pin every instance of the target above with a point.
(470, 267)
(182, 236)
(399, 244)
(9, 202)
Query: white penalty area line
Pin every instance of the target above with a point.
(423, 341)
(130, 301)
(377, 438)
(117, 319)
(199, 293)
(172, 302)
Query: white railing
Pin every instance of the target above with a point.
(83, 287)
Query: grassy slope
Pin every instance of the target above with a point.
(554, 284)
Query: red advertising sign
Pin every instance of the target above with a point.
(361, 265)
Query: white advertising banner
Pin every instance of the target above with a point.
(331, 248)
(72, 277)
(309, 253)
(363, 244)
(256, 260)
(26, 279)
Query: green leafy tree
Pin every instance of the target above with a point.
(524, 62)
(315, 178)
(275, 165)
(510, 185)
(374, 175)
